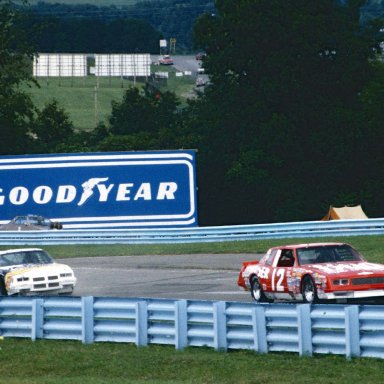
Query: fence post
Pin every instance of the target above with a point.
(219, 326)
(37, 319)
(352, 331)
(259, 329)
(181, 324)
(141, 323)
(304, 325)
(87, 320)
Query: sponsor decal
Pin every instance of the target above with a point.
(66, 194)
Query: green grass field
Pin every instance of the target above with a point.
(67, 362)
(88, 100)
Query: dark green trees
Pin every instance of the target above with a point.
(143, 120)
(283, 128)
(52, 129)
(23, 128)
(16, 108)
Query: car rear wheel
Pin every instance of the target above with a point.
(257, 292)
(309, 291)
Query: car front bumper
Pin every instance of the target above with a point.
(351, 294)
(50, 279)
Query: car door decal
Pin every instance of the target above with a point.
(277, 279)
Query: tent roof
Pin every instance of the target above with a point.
(345, 213)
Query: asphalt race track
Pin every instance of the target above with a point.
(193, 277)
(196, 277)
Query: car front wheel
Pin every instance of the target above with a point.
(309, 291)
(257, 292)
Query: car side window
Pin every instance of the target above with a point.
(14, 258)
(286, 258)
(19, 220)
(269, 257)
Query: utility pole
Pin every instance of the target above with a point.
(172, 45)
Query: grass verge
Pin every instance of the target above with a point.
(369, 246)
(63, 362)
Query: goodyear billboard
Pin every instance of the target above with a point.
(102, 190)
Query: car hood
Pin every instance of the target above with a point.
(347, 269)
(34, 269)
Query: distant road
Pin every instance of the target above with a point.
(182, 63)
(197, 276)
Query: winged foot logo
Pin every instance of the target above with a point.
(96, 187)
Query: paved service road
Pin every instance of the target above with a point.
(197, 276)
(181, 63)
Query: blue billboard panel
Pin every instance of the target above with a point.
(102, 190)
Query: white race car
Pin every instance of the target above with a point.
(32, 271)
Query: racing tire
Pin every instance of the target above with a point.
(57, 225)
(3, 291)
(257, 292)
(309, 291)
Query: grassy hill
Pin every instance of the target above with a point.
(88, 100)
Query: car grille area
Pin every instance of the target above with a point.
(368, 280)
(46, 282)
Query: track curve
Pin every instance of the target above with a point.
(193, 277)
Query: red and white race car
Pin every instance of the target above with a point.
(312, 272)
(166, 60)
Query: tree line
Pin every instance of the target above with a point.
(104, 29)
(291, 122)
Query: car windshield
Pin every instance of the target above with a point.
(25, 257)
(327, 254)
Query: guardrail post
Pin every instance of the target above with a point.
(181, 324)
(304, 325)
(352, 332)
(87, 320)
(37, 319)
(219, 326)
(259, 329)
(141, 323)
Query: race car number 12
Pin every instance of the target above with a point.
(277, 279)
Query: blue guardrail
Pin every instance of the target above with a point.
(350, 330)
(196, 234)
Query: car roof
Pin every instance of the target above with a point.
(33, 215)
(307, 245)
(19, 250)
(29, 215)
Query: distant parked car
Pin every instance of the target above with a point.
(32, 271)
(166, 60)
(30, 223)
